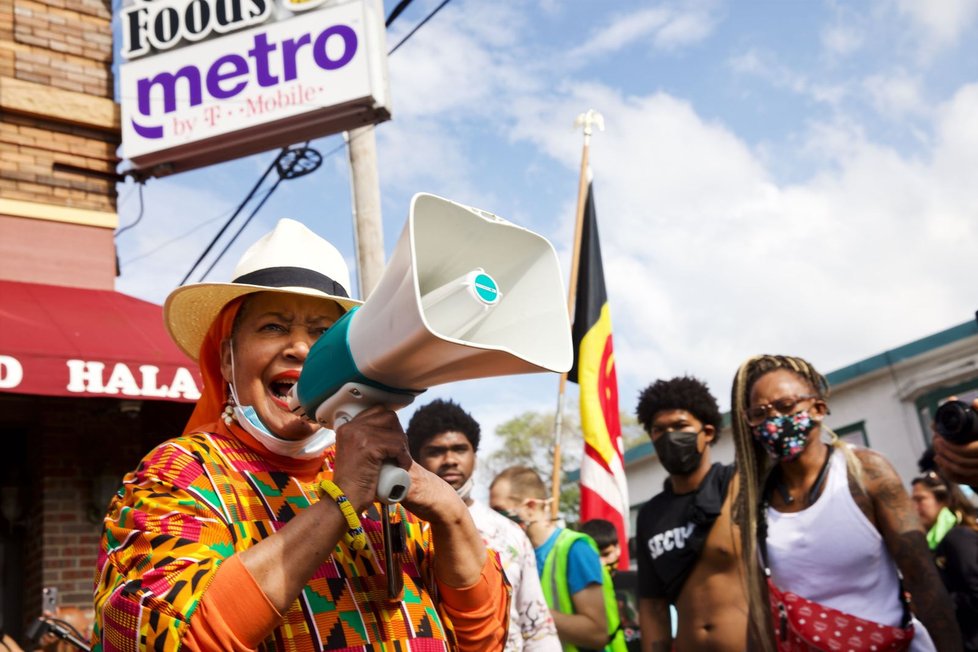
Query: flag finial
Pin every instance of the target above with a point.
(587, 119)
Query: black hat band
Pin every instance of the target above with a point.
(280, 277)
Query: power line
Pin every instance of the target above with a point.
(142, 208)
(396, 11)
(122, 200)
(290, 171)
(240, 207)
(164, 245)
(197, 227)
(241, 228)
(418, 26)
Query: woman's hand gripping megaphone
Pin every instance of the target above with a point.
(393, 482)
(368, 440)
(371, 450)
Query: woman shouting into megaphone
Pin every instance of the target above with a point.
(257, 529)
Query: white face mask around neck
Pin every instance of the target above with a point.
(466, 489)
(301, 449)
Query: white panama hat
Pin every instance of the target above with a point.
(290, 259)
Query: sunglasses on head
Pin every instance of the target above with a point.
(930, 478)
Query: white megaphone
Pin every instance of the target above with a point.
(465, 295)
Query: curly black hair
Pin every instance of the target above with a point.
(437, 417)
(682, 393)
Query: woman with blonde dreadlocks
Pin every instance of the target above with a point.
(827, 528)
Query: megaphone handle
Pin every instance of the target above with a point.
(393, 482)
(393, 547)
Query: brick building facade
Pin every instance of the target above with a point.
(58, 140)
(59, 136)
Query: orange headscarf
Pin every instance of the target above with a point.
(215, 392)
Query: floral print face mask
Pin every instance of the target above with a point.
(784, 437)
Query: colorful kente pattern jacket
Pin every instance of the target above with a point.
(196, 500)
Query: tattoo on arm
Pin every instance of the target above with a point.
(930, 601)
(897, 521)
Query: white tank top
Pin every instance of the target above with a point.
(830, 553)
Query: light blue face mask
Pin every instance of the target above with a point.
(302, 449)
(248, 418)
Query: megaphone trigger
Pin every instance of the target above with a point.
(393, 484)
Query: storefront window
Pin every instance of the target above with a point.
(854, 433)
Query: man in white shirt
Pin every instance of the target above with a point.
(444, 439)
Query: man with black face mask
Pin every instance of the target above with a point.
(688, 546)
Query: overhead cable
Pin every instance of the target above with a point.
(396, 11)
(224, 228)
(417, 27)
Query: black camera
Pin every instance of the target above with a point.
(957, 422)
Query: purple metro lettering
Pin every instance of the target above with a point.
(230, 74)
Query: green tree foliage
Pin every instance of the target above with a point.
(528, 440)
(632, 433)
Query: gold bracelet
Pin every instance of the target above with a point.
(355, 536)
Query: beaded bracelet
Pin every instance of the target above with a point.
(355, 536)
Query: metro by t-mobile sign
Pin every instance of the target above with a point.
(210, 80)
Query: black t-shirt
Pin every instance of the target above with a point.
(671, 530)
(957, 561)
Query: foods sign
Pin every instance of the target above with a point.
(206, 81)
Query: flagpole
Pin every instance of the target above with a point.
(587, 121)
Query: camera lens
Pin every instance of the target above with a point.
(956, 421)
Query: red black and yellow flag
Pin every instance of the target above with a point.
(604, 492)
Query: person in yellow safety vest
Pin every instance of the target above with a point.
(625, 581)
(576, 585)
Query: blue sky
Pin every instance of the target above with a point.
(775, 176)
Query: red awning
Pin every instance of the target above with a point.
(61, 341)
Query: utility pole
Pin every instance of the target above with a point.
(367, 226)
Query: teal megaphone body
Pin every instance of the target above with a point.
(465, 295)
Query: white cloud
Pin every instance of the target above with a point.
(940, 23)
(419, 153)
(846, 31)
(664, 27)
(158, 252)
(460, 64)
(767, 66)
(842, 39)
(684, 29)
(624, 30)
(896, 95)
(709, 261)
